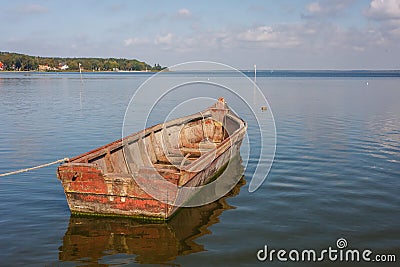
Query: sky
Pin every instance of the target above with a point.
(296, 34)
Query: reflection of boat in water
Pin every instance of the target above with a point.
(90, 240)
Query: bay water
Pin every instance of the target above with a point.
(335, 175)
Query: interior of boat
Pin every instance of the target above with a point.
(165, 148)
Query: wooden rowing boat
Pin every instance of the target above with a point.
(153, 172)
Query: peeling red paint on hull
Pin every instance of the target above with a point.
(109, 180)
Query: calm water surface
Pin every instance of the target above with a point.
(336, 174)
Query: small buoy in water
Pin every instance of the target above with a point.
(367, 83)
(263, 108)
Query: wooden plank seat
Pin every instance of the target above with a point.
(195, 150)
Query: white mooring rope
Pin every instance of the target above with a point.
(36, 167)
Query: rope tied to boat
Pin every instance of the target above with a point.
(35, 168)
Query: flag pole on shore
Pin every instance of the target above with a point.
(80, 92)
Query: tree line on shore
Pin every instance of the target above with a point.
(21, 62)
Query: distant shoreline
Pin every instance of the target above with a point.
(16, 62)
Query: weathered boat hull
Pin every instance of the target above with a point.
(140, 176)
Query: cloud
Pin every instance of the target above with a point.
(356, 40)
(276, 37)
(315, 8)
(229, 39)
(259, 34)
(164, 39)
(392, 28)
(387, 15)
(326, 8)
(383, 9)
(134, 41)
(184, 13)
(31, 9)
(285, 37)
